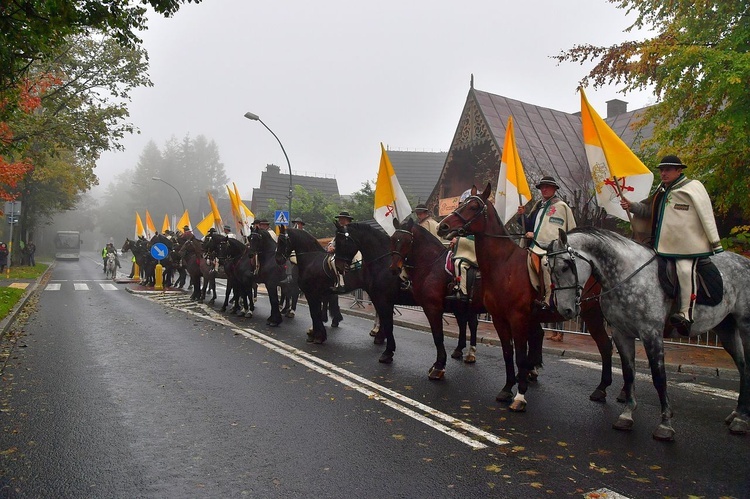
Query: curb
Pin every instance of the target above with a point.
(9, 319)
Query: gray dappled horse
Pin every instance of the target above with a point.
(634, 303)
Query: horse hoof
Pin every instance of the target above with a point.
(211, 301)
(623, 424)
(335, 324)
(663, 433)
(378, 341)
(731, 417)
(739, 426)
(457, 354)
(622, 398)
(248, 315)
(273, 323)
(504, 396)
(533, 375)
(435, 374)
(373, 332)
(285, 311)
(470, 358)
(290, 314)
(518, 406)
(386, 358)
(320, 341)
(223, 309)
(598, 395)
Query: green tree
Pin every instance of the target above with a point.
(698, 65)
(362, 203)
(316, 209)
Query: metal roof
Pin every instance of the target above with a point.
(275, 185)
(417, 172)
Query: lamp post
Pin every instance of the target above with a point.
(255, 117)
(159, 179)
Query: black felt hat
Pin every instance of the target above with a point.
(345, 214)
(671, 161)
(547, 180)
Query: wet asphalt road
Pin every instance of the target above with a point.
(110, 394)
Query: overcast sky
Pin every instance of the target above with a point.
(333, 79)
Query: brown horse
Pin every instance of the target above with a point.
(508, 295)
(423, 255)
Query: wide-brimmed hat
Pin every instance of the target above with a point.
(671, 161)
(421, 207)
(226, 227)
(547, 180)
(261, 221)
(211, 230)
(298, 221)
(187, 227)
(345, 214)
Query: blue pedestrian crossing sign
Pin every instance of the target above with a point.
(281, 217)
(159, 251)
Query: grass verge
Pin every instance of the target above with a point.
(8, 299)
(10, 296)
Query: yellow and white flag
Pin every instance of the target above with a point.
(390, 200)
(150, 228)
(165, 224)
(243, 212)
(184, 220)
(139, 226)
(512, 189)
(614, 167)
(215, 212)
(206, 224)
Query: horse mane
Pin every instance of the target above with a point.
(379, 235)
(603, 235)
(428, 237)
(305, 240)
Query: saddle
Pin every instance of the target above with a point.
(710, 282)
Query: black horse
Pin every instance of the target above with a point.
(270, 273)
(146, 262)
(316, 277)
(423, 255)
(378, 281)
(239, 267)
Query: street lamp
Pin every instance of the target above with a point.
(159, 179)
(255, 117)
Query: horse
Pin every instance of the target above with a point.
(239, 268)
(508, 297)
(111, 266)
(382, 286)
(146, 263)
(268, 272)
(629, 276)
(316, 277)
(423, 255)
(171, 262)
(191, 253)
(290, 290)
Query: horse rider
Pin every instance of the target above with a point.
(228, 232)
(264, 224)
(186, 235)
(425, 220)
(682, 228)
(541, 227)
(464, 258)
(298, 223)
(343, 219)
(110, 248)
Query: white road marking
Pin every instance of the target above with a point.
(53, 287)
(80, 286)
(421, 412)
(108, 286)
(604, 494)
(693, 387)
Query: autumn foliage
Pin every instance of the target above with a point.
(28, 98)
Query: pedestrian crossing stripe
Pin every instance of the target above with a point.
(19, 285)
(81, 286)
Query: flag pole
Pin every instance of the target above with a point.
(619, 194)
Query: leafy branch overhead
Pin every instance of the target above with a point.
(698, 66)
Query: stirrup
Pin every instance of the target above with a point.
(405, 284)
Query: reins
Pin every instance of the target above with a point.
(577, 286)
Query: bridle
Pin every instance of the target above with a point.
(348, 261)
(577, 286)
(483, 212)
(401, 256)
